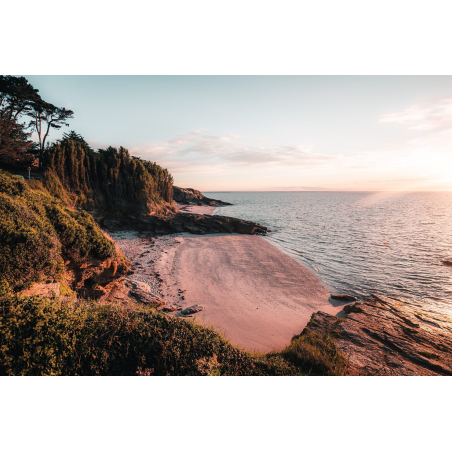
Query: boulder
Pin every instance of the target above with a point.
(343, 297)
(142, 293)
(191, 310)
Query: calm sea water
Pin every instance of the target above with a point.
(360, 243)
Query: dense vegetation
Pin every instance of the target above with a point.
(39, 232)
(48, 336)
(109, 177)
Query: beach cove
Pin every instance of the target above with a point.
(253, 293)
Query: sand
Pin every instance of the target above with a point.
(257, 296)
(252, 292)
(205, 210)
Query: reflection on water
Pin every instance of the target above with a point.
(360, 243)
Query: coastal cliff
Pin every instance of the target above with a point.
(55, 257)
(379, 336)
(192, 196)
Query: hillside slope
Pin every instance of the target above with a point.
(39, 233)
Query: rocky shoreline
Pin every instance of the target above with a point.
(385, 336)
(185, 219)
(183, 222)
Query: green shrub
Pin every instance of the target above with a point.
(49, 336)
(315, 354)
(29, 247)
(37, 231)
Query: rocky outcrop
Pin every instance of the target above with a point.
(142, 293)
(192, 196)
(184, 222)
(49, 289)
(343, 297)
(383, 336)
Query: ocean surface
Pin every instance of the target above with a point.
(387, 243)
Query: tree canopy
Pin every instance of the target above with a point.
(44, 117)
(18, 99)
(111, 175)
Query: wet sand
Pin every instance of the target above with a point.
(203, 210)
(253, 293)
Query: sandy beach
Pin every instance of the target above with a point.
(252, 292)
(257, 296)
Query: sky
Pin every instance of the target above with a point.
(225, 133)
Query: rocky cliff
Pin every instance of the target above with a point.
(192, 196)
(384, 336)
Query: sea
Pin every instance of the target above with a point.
(360, 243)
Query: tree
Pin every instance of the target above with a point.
(19, 98)
(15, 144)
(52, 117)
(16, 98)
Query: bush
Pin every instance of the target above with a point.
(49, 336)
(315, 354)
(37, 231)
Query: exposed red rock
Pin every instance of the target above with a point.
(384, 336)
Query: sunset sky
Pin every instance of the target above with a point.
(270, 132)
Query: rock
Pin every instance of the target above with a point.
(170, 309)
(448, 262)
(384, 336)
(343, 297)
(142, 293)
(192, 196)
(194, 230)
(191, 310)
(188, 222)
(44, 289)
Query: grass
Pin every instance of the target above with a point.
(315, 354)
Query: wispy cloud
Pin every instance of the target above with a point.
(198, 149)
(224, 162)
(424, 116)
